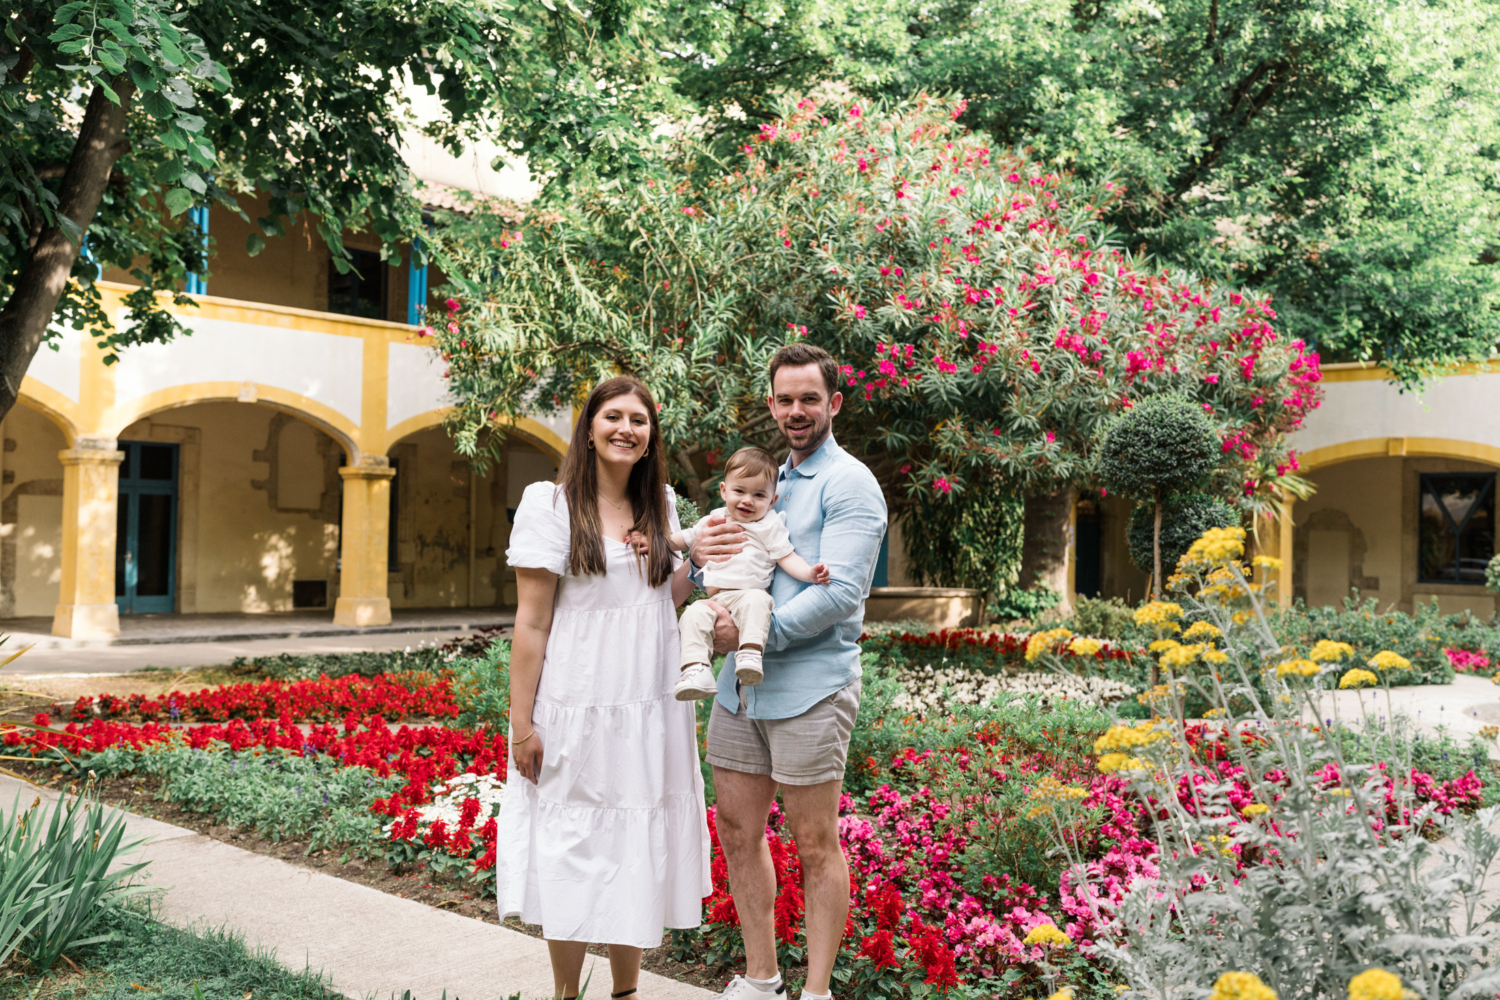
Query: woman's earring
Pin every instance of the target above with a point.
(591, 444)
(646, 452)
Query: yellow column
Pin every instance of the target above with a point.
(1284, 551)
(363, 540)
(86, 606)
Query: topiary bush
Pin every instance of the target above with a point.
(1184, 518)
(1160, 446)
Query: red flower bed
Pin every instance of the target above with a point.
(321, 700)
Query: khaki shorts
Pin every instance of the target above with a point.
(807, 749)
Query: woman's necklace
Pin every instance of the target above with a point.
(616, 506)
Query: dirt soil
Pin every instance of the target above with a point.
(142, 797)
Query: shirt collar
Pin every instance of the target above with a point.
(814, 463)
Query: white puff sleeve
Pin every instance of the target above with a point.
(541, 535)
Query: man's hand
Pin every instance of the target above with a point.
(726, 632)
(820, 574)
(717, 539)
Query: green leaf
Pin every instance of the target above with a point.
(109, 92)
(254, 244)
(156, 105)
(190, 123)
(174, 138)
(168, 172)
(172, 53)
(66, 32)
(178, 201)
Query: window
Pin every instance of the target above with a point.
(360, 292)
(1457, 537)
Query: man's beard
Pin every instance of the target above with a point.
(812, 436)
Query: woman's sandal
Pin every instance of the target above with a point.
(623, 993)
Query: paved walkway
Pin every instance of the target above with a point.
(369, 943)
(180, 641)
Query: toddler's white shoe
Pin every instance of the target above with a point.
(745, 988)
(695, 683)
(747, 667)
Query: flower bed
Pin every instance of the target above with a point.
(301, 701)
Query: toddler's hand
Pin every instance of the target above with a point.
(639, 542)
(820, 574)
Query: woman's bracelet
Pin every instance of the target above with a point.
(516, 743)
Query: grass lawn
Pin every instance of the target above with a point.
(147, 958)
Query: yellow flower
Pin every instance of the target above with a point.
(1127, 737)
(1214, 713)
(1326, 650)
(1041, 642)
(1241, 986)
(1256, 809)
(1376, 984)
(1202, 630)
(1083, 646)
(1358, 678)
(1387, 660)
(1216, 656)
(1302, 668)
(1269, 562)
(1050, 787)
(1182, 656)
(1047, 934)
(1112, 762)
(1162, 645)
(1158, 613)
(1218, 545)
(1342, 793)
(1066, 993)
(1240, 617)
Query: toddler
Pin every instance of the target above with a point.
(739, 584)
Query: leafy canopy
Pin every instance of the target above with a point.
(986, 325)
(303, 100)
(1344, 158)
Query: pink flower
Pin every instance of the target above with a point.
(859, 312)
(451, 305)
(1051, 437)
(854, 112)
(942, 485)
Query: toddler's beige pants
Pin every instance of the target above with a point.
(750, 609)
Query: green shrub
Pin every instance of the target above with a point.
(967, 539)
(1104, 618)
(1184, 519)
(1030, 604)
(1492, 574)
(481, 688)
(1420, 637)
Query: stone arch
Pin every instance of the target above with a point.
(53, 411)
(324, 418)
(1403, 447)
(526, 429)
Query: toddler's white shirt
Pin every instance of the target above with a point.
(752, 567)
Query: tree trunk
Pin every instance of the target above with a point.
(24, 319)
(1156, 554)
(1044, 547)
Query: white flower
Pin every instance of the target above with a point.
(448, 799)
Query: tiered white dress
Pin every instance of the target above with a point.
(611, 844)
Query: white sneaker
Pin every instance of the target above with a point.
(747, 667)
(696, 683)
(741, 988)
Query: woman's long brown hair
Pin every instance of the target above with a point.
(647, 489)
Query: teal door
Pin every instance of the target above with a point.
(146, 529)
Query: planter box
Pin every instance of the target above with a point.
(940, 607)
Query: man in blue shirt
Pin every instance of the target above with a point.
(792, 731)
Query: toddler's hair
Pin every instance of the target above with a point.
(752, 462)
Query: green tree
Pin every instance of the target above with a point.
(986, 326)
(1161, 446)
(1184, 519)
(117, 116)
(1342, 157)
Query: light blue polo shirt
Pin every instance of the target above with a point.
(835, 514)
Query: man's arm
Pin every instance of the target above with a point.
(854, 521)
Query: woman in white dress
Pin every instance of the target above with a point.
(604, 839)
